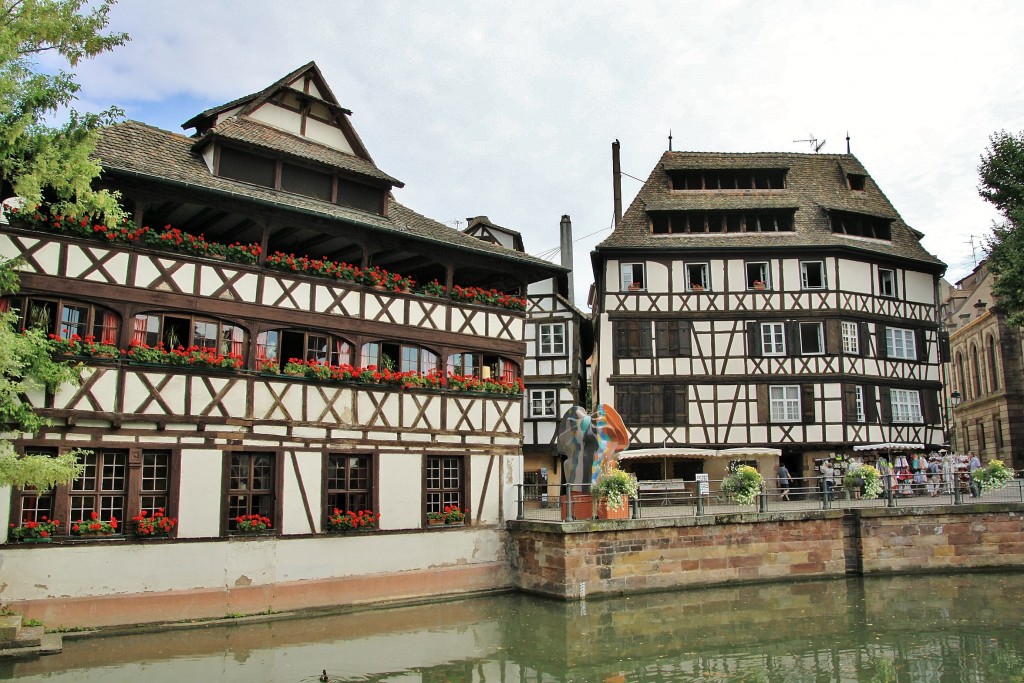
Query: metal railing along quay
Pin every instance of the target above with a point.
(678, 498)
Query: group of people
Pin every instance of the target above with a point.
(920, 474)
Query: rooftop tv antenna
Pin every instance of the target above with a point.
(815, 145)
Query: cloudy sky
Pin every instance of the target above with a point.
(509, 109)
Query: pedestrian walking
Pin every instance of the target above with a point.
(974, 464)
(784, 482)
(827, 473)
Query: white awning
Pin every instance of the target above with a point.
(890, 447)
(639, 453)
(749, 451)
(741, 452)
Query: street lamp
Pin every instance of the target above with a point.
(954, 400)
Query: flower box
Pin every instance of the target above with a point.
(582, 506)
(606, 512)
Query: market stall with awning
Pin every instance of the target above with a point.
(889, 447)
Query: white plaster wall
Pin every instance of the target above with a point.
(5, 514)
(331, 136)
(857, 276)
(542, 287)
(920, 287)
(202, 472)
(208, 157)
(510, 475)
(227, 114)
(401, 497)
(657, 277)
(294, 514)
(84, 570)
(278, 117)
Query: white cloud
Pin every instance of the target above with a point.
(510, 109)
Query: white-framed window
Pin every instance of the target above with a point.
(543, 403)
(633, 276)
(906, 405)
(812, 275)
(851, 338)
(696, 277)
(858, 392)
(812, 339)
(900, 343)
(785, 403)
(886, 282)
(552, 339)
(773, 339)
(757, 275)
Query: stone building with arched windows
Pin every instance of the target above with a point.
(985, 369)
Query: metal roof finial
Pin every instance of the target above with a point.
(670, 139)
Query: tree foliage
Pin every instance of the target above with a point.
(36, 158)
(26, 367)
(1002, 183)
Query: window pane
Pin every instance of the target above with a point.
(73, 320)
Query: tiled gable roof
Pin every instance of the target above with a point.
(815, 185)
(250, 131)
(137, 150)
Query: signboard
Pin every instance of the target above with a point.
(703, 486)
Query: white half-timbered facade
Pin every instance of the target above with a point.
(429, 414)
(772, 300)
(559, 340)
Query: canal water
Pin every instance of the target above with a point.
(930, 628)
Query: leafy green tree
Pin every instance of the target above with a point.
(25, 367)
(36, 159)
(1002, 184)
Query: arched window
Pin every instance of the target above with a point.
(274, 348)
(961, 384)
(975, 371)
(65, 318)
(181, 329)
(993, 364)
(400, 357)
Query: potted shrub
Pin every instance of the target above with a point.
(743, 485)
(863, 481)
(994, 475)
(613, 489)
(31, 531)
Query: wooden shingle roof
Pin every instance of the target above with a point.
(815, 185)
(136, 150)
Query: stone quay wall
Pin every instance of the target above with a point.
(576, 559)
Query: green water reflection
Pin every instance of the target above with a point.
(943, 629)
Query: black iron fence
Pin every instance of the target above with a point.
(679, 498)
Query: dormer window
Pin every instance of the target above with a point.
(860, 225)
(728, 179)
(308, 181)
(856, 181)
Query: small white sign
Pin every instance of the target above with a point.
(703, 487)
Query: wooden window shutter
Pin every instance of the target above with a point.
(870, 404)
(679, 415)
(921, 341)
(652, 403)
(792, 329)
(850, 402)
(944, 353)
(665, 345)
(882, 352)
(930, 406)
(640, 338)
(754, 339)
(685, 334)
(833, 337)
(885, 405)
(621, 339)
(763, 407)
(807, 403)
(863, 341)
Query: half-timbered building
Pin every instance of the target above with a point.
(765, 300)
(275, 335)
(558, 342)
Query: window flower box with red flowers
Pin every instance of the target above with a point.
(435, 518)
(252, 525)
(82, 346)
(453, 515)
(95, 526)
(343, 521)
(32, 531)
(156, 525)
(193, 356)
